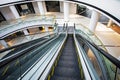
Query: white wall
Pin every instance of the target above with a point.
(61, 6)
(44, 6)
(72, 8)
(7, 13)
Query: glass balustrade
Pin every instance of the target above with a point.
(113, 71)
(105, 65)
(17, 65)
(26, 21)
(86, 33)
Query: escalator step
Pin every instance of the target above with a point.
(66, 72)
(66, 64)
(64, 78)
(68, 52)
(67, 67)
(67, 57)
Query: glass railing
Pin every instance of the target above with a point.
(16, 40)
(18, 65)
(26, 21)
(25, 43)
(91, 60)
(30, 17)
(42, 71)
(113, 72)
(60, 29)
(106, 66)
(86, 33)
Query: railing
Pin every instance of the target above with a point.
(46, 74)
(38, 69)
(86, 33)
(62, 29)
(8, 27)
(49, 69)
(28, 38)
(88, 69)
(25, 38)
(14, 66)
(18, 50)
(109, 65)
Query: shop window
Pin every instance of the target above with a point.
(24, 9)
(80, 9)
(52, 6)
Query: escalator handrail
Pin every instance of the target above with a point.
(33, 74)
(51, 62)
(31, 71)
(99, 59)
(115, 61)
(85, 68)
(15, 46)
(20, 53)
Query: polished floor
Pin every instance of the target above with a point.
(108, 37)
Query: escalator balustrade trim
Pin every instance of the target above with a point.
(55, 63)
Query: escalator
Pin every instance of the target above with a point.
(103, 65)
(18, 65)
(93, 58)
(68, 65)
(26, 45)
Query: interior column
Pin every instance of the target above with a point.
(93, 21)
(27, 34)
(109, 23)
(66, 11)
(41, 8)
(14, 11)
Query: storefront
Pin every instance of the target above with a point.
(24, 9)
(52, 6)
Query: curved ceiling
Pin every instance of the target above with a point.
(111, 8)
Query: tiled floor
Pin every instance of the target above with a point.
(109, 38)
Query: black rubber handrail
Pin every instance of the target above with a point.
(16, 46)
(115, 61)
(20, 53)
